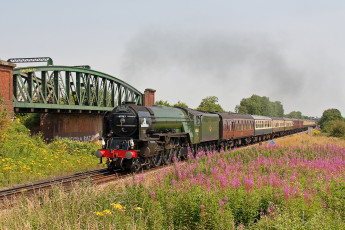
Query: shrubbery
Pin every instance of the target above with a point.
(337, 129)
(328, 118)
(4, 117)
(30, 120)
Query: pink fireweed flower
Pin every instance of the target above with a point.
(190, 155)
(202, 207)
(223, 181)
(286, 191)
(153, 195)
(139, 179)
(248, 182)
(277, 196)
(271, 209)
(235, 183)
(259, 182)
(208, 184)
(307, 196)
(221, 202)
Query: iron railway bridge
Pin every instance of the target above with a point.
(67, 89)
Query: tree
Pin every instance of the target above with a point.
(257, 105)
(294, 114)
(181, 104)
(161, 102)
(278, 109)
(329, 116)
(210, 104)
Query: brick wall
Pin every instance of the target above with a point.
(79, 127)
(6, 84)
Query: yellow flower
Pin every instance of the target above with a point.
(107, 212)
(138, 208)
(99, 213)
(117, 206)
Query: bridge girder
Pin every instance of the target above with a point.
(71, 89)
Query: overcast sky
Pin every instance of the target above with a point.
(290, 51)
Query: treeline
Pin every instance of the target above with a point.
(255, 105)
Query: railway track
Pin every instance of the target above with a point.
(9, 196)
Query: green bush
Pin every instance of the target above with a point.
(329, 116)
(30, 120)
(338, 129)
(4, 117)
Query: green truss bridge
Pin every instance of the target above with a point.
(67, 89)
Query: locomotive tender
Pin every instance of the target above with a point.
(147, 136)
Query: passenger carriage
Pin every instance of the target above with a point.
(235, 129)
(278, 126)
(262, 128)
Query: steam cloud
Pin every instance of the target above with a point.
(187, 67)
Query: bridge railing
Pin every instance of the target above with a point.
(71, 89)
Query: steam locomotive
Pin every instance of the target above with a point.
(137, 137)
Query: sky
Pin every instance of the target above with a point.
(290, 51)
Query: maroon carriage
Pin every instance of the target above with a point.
(235, 129)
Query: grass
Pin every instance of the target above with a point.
(267, 187)
(306, 140)
(24, 158)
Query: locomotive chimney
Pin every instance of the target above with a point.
(149, 97)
